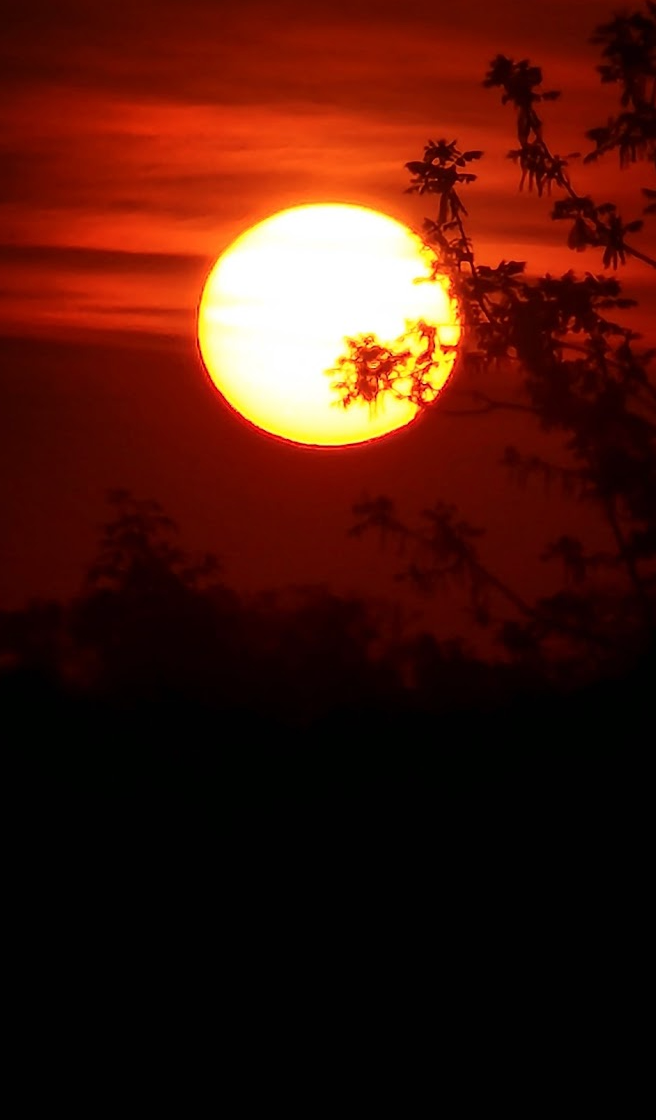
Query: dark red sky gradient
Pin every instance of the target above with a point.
(136, 143)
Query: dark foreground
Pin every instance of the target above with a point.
(487, 860)
(535, 769)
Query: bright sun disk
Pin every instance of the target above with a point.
(279, 304)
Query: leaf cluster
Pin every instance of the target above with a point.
(408, 370)
(137, 554)
(439, 172)
(628, 45)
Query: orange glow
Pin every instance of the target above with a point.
(278, 305)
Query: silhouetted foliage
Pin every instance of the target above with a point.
(583, 375)
(629, 53)
(150, 611)
(409, 369)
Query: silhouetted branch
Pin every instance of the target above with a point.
(582, 377)
(523, 467)
(487, 405)
(629, 562)
(629, 53)
(445, 549)
(592, 225)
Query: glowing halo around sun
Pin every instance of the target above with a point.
(279, 304)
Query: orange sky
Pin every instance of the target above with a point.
(136, 142)
(149, 141)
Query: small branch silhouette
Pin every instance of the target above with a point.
(412, 368)
(593, 225)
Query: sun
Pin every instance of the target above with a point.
(279, 305)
